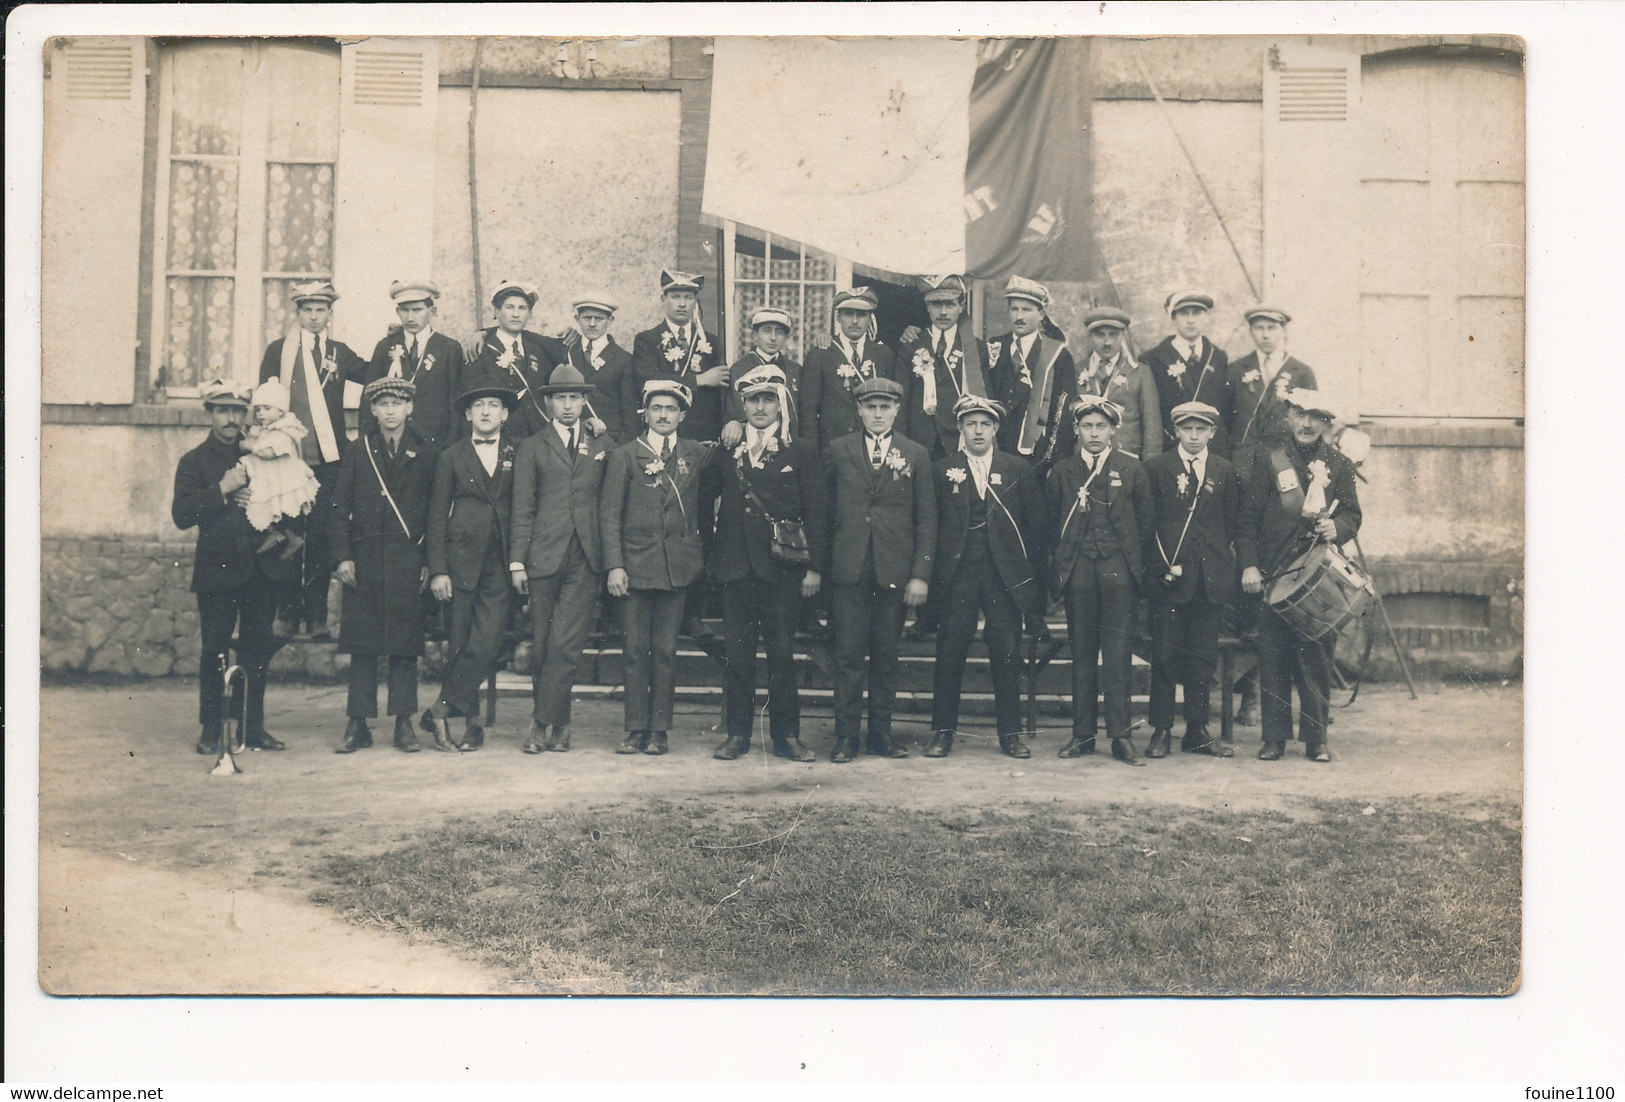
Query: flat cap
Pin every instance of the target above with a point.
(595, 300)
(672, 280)
(1194, 411)
(654, 387)
(1095, 403)
(1105, 317)
(416, 290)
(878, 386)
(510, 287)
(1267, 313)
(770, 315)
(975, 403)
(1029, 289)
(944, 288)
(320, 290)
(218, 392)
(389, 386)
(861, 299)
(1311, 400)
(1181, 300)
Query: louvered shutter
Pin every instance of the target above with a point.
(94, 137)
(385, 188)
(1311, 206)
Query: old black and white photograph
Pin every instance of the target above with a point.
(845, 511)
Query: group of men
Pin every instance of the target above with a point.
(975, 482)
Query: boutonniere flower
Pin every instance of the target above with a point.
(1183, 482)
(1283, 383)
(428, 363)
(1176, 370)
(1083, 497)
(654, 467)
(673, 354)
(995, 479)
(922, 362)
(396, 355)
(867, 369)
(847, 371)
(1252, 376)
(741, 450)
(1319, 474)
(702, 346)
(1116, 380)
(898, 465)
(505, 360)
(956, 475)
(994, 351)
(507, 463)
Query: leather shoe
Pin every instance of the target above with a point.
(535, 741)
(209, 741)
(558, 739)
(845, 750)
(634, 743)
(656, 744)
(473, 737)
(941, 742)
(1123, 751)
(887, 748)
(1078, 747)
(1204, 743)
(405, 741)
(1014, 747)
(793, 749)
(1316, 751)
(261, 739)
(1247, 716)
(1271, 751)
(1158, 746)
(733, 747)
(439, 730)
(357, 736)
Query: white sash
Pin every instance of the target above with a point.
(321, 422)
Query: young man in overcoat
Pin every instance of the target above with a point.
(470, 515)
(1110, 372)
(607, 367)
(649, 522)
(854, 357)
(1188, 367)
(554, 553)
(989, 510)
(380, 517)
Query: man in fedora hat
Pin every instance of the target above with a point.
(432, 362)
(235, 587)
(1190, 575)
(1099, 506)
(649, 520)
(1260, 381)
(554, 553)
(613, 410)
(1188, 367)
(680, 348)
(885, 534)
(380, 518)
(1041, 373)
(988, 513)
(524, 360)
(470, 515)
(1112, 373)
(1301, 492)
(945, 363)
(314, 368)
(853, 358)
(772, 475)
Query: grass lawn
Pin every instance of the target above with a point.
(1417, 897)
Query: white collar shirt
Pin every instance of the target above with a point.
(756, 443)
(656, 443)
(487, 453)
(1188, 350)
(684, 334)
(591, 348)
(854, 351)
(1027, 344)
(564, 432)
(981, 466)
(1197, 462)
(877, 446)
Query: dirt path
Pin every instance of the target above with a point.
(145, 855)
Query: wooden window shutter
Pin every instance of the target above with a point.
(385, 187)
(95, 134)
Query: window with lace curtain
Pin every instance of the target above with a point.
(765, 270)
(249, 139)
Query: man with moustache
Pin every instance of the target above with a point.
(945, 363)
(1042, 376)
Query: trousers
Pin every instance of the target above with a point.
(762, 609)
(1100, 624)
(403, 685)
(868, 621)
(561, 607)
(977, 589)
(1285, 660)
(1184, 650)
(306, 597)
(475, 622)
(651, 619)
(249, 609)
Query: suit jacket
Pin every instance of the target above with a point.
(439, 378)
(1120, 489)
(940, 430)
(534, 369)
(1015, 509)
(1129, 384)
(650, 519)
(342, 366)
(1270, 534)
(657, 355)
(1259, 419)
(555, 496)
(617, 398)
(1019, 386)
(226, 542)
(383, 614)
(1207, 557)
(889, 513)
(470, 511)
(790, 485)
(802, 417)
(837, 412)
(1207, 381)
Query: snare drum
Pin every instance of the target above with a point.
(1321, 592)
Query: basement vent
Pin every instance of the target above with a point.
(1314, 95)
(101, 70)
(388, 78)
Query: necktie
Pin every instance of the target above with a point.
(942, 345)
(316, 349)
(478, 443)
(1196, 482)
(412, 353)
(874, 452)
(665, 448)
(572, 445)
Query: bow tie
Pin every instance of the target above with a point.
(483, 443)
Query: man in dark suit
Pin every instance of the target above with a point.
(649, 520)
(853, 358)
(380, 515)
(771, 476)
(524, 360)
(1110, 373)
(607, 367)
(885, 534)
(470, 514)
(1187, 367)
(1302, 493)
(554, 553)
(770, 330)
(680, 348)
(432, 362)
(1259, 380)
(1190, 575)
(310, 363)
(944, 364)
(1037, 372)
(1099, 505)
(988, 511)
(235, 587)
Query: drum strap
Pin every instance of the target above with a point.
(1290, 488)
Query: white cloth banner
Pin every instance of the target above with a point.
(854, 146)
